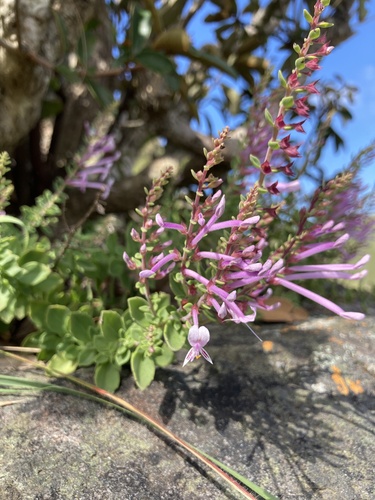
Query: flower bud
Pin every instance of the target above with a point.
(300, 63)
(287, 102)
(281, 79)
(307, 16)
(274, 145)
(314, 34)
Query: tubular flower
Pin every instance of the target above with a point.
(198, 337)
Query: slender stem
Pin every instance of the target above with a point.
(75, 228)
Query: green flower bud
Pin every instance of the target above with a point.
(297, 48)
(255, 161)
(274, 145)
(300, 63)
(307, 16)
(268, 117)
(282, 79)
(287, 102)
(314, 34)
(324, 24)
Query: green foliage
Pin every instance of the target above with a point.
(75, 291)
(6, 187)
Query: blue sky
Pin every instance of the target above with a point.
(354, 60)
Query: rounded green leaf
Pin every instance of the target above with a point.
(5, 296)
(101, 343)
(38, 313)
(165, 358)
(107, 376)
(87, 356)
(137, 306)
(115, 267)
(110, 324)
(62, 364)
(33, 273)
(155, 61)
(57, 319)
(51, 283)
(143, 369)
(81, 325)
(34, 255)
(122, 356)
(174, 336)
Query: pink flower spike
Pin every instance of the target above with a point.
(198, 337)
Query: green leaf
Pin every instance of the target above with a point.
(160, 300)
(71, 75)
(102, 345)
(87, 356)
(62, 364)
(122, 355)
(136, 306)
(38, 313)
(211, 60)
(249, 484)
(5, 296)
(110, 324)
(52, 106)
(107, 376)
(13, 220)
(34, 255)
(177, 287)
(143, 369)
(135, 332)
(7, 314)
(115, 267)
(33, 273)
(57, 319)
(99, 92)
(255, 161)
(156, 61)
(268, 117)
(141, 29)
(32, 340)
(50, 284)
(81, 325)
(174, 335)
(165, 358)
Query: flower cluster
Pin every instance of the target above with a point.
(94, 166)
(223, 265)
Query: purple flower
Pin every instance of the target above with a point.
(161, 260)
(318, 299)
(95, 165)
(198, 337)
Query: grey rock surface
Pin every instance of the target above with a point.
(295, 415)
